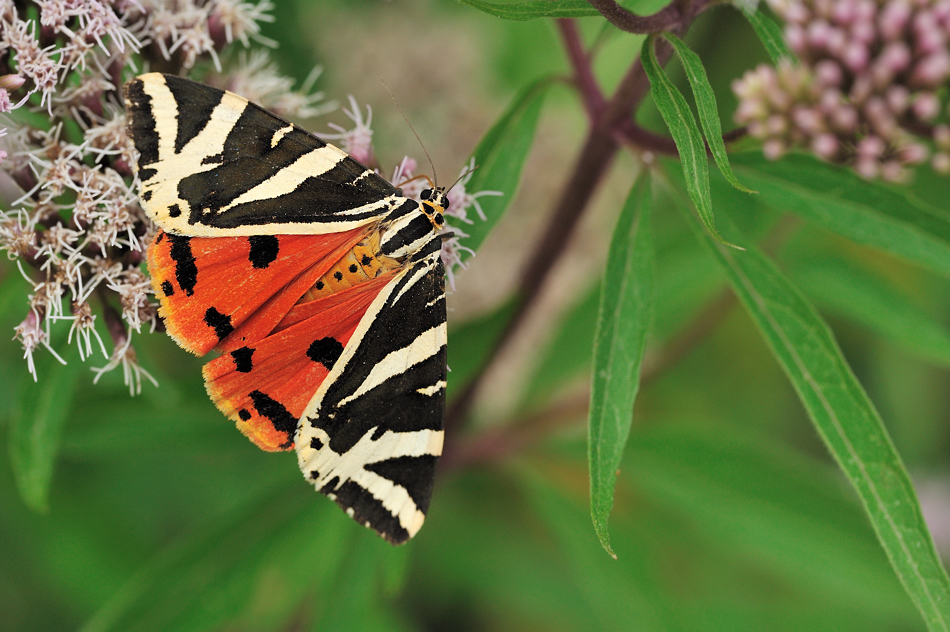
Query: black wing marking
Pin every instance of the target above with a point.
(371, 435)
(213, 164)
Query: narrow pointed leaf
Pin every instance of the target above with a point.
(842, 287)
(845, 419)
(37, 427)
(768, 502)
(769, 33)
(533, 9)
(207, 578)
(706, 107)
(568, 353)
(472, 342)
(869, 213)
(689, 142)
(500, 159)
(626, 309)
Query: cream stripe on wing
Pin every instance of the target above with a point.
(172, 167)
(431, 390)
(397, 362)
(351, 466)
(287, 179)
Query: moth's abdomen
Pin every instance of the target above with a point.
(362, 263)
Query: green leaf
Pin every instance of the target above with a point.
(763, 501)
(472, 342)
(869, 213)
(357, 601)
(567, 354)
(37, 426)
(626, 309)
(249, 569)
(845, 418)
(689, 142)
(855, 293)
(500, 158)
(769, 33)
(706, 106)
(533, 9)
(617, 593)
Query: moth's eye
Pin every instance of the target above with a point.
(445, 202)
(426, 194)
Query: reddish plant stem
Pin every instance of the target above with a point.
(665, 19)
(498, 443)
(593, 98)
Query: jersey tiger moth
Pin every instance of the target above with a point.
(319, 283)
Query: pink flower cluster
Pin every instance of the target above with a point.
(69, 213)
(871, 89)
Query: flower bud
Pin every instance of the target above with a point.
(825, 145)
(940, 162)
(11, 82)
(926, 106)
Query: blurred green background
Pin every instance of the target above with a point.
(729, 515)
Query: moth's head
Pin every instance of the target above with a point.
(434, 205)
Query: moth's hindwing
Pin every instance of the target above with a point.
(226, 292)
(213, 164)
(372, 433)
(264, 386)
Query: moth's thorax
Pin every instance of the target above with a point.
(414, 226)
(434, 204)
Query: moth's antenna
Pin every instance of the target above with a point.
(421, 144)
(459, 179)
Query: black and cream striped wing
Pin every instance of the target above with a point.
(213, 164)
(371, 435)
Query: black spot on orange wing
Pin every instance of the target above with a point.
(326, 351)
(264, 249)
(338, 275)
(167, 288)
(221, 323)
(242, 359)
(186, 270)
(353, 268)
(244, 414)
(319, 285)
(366, 260)
(274, 411)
